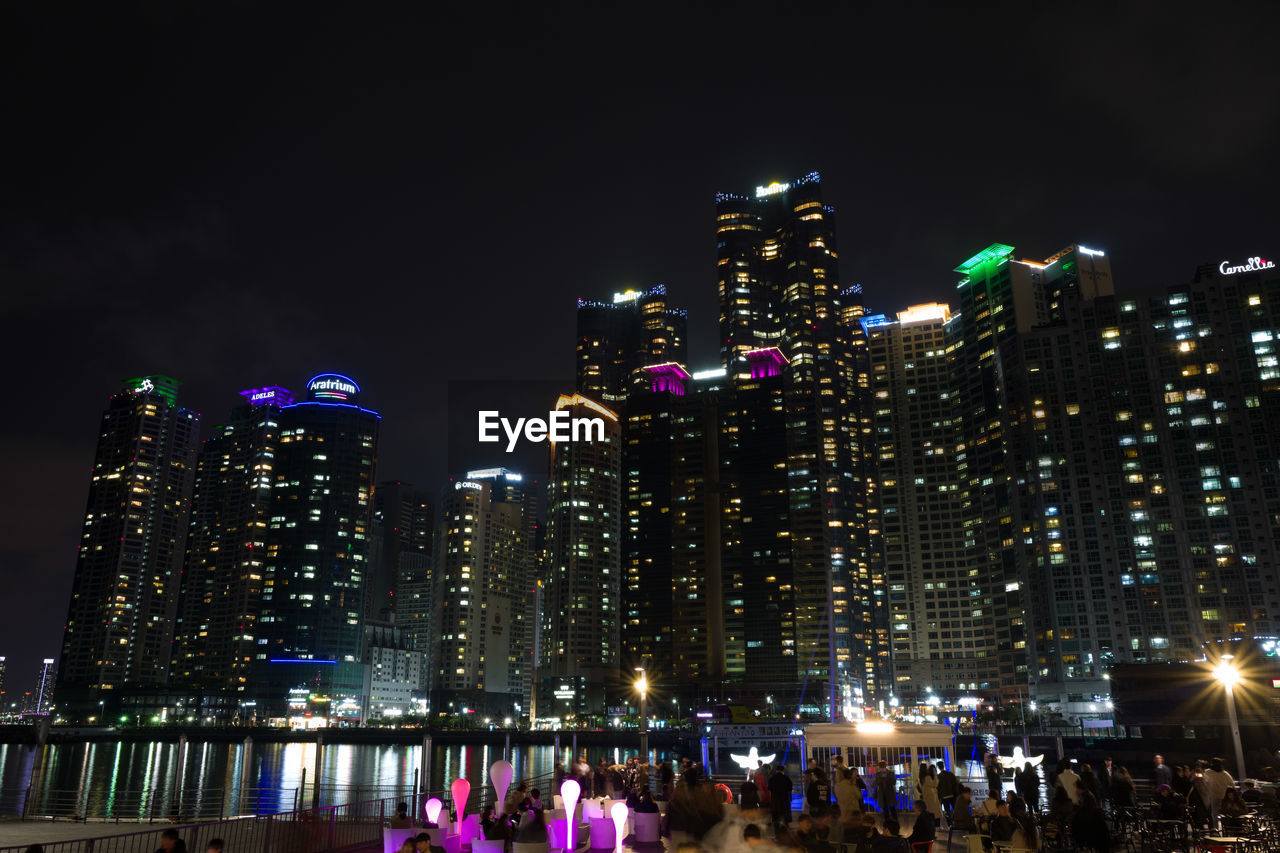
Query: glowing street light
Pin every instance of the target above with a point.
(642, 686)
(1228, 675)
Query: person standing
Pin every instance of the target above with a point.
(762, 782)
(848, 797)
(886, 790)
(1106, 779)
(929, 791)
(995, 785)
(780, 786)
(1218, 781)
(818, 794)
(948, 790)
(1067, 780)
(1122, 789)
(1161, 775)
(1027, 783)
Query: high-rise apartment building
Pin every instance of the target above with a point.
(484, 594)
(1146, 467)
(1001, 299)
(215, 642)
(917, 440)
(673, 611)
(617, 339)
(124, 594)
(311, 631)
(399, 576)
(582, 582)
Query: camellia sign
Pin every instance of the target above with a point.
(1250, 265)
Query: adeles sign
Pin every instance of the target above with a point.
(1250, 265)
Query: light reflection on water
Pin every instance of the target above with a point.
(137, 779)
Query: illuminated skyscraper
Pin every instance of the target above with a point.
(311, 631)
(582, 589)
(484, 593)
(124, 594)
(45, 679)
(1147, 474)
(215, 642)
(779, 286)
(616, 339)
(1001, 300)
(930, 590)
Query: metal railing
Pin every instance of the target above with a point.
(351, 826)
(146, 805)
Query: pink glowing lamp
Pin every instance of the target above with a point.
(461, 789)
(433, 811)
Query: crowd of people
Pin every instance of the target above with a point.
(1072, 802)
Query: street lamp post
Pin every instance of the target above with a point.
(1229, 676)
(643, 686)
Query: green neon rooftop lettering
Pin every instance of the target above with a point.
(994, 252)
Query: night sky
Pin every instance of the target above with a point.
(248, 194)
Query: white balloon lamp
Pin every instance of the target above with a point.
(569, 792)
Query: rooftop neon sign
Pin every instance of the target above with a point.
(269, 395)
(1250, 265)
(994, 252)
(773, 189)
(332, 386)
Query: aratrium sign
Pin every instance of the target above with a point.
(773, 189)
(332, 386)
(1251, 265)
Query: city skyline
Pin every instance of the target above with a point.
(1026, 307)
(223, 222)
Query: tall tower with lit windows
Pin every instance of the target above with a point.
(582, 582)
(484, 594)
(617, 339)
(778, 276)
(120, 619)
(215, 643)
(311, 627)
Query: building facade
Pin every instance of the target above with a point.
(395, 673)
(582, 582)
(779, 287)
(917, 439)
(617, 339)
(1147, 471)
(484, 595)
(400, 562)
(124, 595)
(215, 642)
(311, 628)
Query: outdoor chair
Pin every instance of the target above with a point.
(647, 827)
(393, 839)
(602, 833)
